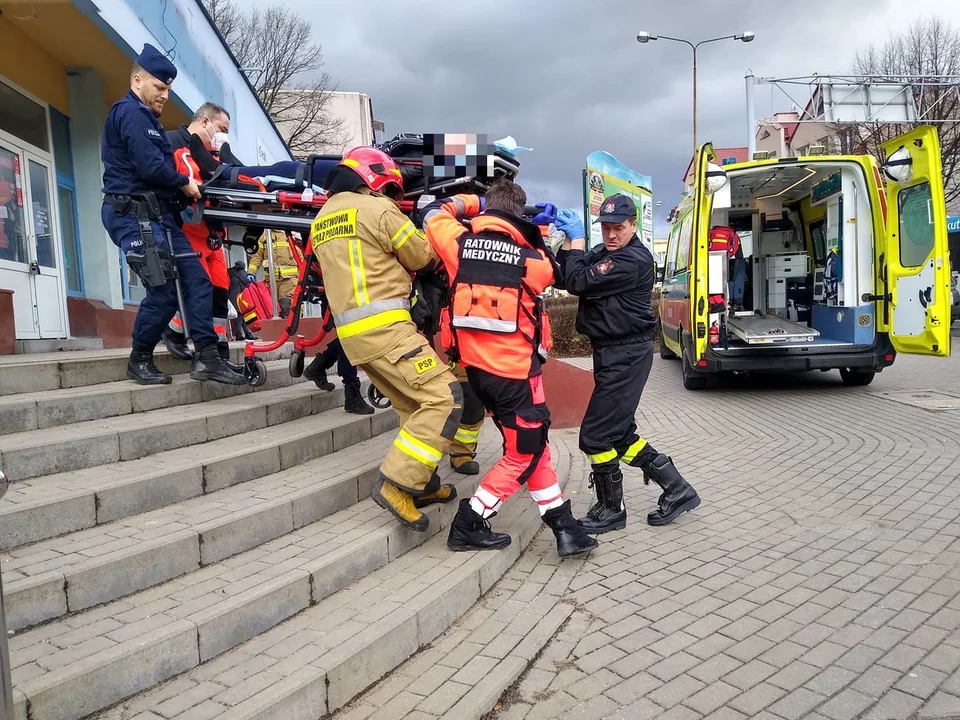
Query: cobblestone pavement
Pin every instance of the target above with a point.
(819, 579)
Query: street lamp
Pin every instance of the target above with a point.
(645, 37)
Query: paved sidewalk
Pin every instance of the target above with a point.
(819, 579)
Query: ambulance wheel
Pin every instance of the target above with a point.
(377, 398)
(255, 372)
(665, 352)
(692, 380)
(852, 378)
(296, 363)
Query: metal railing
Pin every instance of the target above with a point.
(6, 684)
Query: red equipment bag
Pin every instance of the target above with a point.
(255, 304)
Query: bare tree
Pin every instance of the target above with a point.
(927, 57)
(285, 67)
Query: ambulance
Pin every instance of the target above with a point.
(821, 262)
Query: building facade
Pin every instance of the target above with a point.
(63, 63)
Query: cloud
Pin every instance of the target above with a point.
(569, 78)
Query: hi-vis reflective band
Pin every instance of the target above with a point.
(417, 449)
(371, 316)
(631, 454)
(336, 225)
(603, 457)
(406, 231)
(468, 322)
(360, 293)
(467, 437)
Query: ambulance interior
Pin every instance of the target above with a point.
(804, 262)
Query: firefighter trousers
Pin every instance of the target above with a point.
(608, 432)
(463, 449)
(428, 399)
(520, 413)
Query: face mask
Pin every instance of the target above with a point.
(219, 140)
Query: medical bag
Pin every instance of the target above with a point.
(255, 304)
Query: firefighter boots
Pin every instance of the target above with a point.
(609, 512)
(470, 531)
(208, 366)
(318, 374)
(571, 538)
(223, 350)
(141, 369)
(678, 495)
(444, 494)
(400, 505)
(467, 467)
(353, 401)
(176, 343)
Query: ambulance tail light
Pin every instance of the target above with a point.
(702, 363)
(889, 357)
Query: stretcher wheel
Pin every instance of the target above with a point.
(377, 398)
(296, 363)
(255, 372)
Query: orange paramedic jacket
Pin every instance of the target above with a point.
(496, 276)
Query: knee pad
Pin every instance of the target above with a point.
(220, 299)
(473, 410)
(456, 413)
(284, 306)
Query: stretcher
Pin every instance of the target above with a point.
(756, 328)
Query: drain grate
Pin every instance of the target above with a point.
(926, 399)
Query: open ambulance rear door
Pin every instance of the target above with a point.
(709, 178)
(912, 256)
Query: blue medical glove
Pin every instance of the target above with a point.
(547, 216)
(570, 223)
(483, 203)
(251, 277)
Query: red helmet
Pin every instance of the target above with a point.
(377, 169)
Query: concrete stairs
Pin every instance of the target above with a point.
(163, 547)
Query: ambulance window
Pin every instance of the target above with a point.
(818, 235)
(683, 244)
(671, 258)
(916, 224)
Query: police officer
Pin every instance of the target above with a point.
(367, 250)
(614, 283)
(316, 371)
(141, 185)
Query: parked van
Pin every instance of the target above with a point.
(809, 263)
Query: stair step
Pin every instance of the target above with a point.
(55, 408)
(52, 371)
(91, 443)
(83, 663)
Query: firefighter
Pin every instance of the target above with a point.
(497, 269)
(367, 250)
(614, 283)
(210, 123)
(286, 270)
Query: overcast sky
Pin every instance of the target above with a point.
(568, 77)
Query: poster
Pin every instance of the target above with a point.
(605, 176)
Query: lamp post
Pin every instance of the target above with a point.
(645, 37)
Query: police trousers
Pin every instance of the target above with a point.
(332, 355)
(160, 304)
(428, 399)
(520, 412)
(463, 449)
(608, 432)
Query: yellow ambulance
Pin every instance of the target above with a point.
(821, 262)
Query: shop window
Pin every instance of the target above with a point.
(23, 118)
(67, 197)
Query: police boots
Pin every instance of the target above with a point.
(353, 401)
(571, 538)
(678, 495)
(317, 373)
(141, 369)
(609, 512)
(176, 344)
(207, 365)
(223, 350)
(470, 531)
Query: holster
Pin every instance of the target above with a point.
(151, 262)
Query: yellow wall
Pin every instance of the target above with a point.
(24, 63)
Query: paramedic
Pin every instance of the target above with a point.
(141, 186)
(501, 262)
(286, 270)
(367, 250)
(210, 123)
(331, 355)
(614, 283)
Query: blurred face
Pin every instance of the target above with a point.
(151, 91)
(617, 235)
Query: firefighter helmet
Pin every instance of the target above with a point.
(377, 169)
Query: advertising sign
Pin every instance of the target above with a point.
(605, 176)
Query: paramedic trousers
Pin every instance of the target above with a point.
(463, 449)
(520, 413)
(428, 399)
(160, 304)
(608, 432)
(215, 263)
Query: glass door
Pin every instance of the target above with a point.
(44, 249)
(14, 257)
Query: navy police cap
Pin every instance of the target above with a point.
(157, 64)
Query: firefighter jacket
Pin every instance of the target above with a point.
(283, 259)
(497, 270)
(367, 250)
(615, 289)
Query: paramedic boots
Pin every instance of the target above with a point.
(678, 495)
(571, 538)
(470, 531)
(141, 368)
(207, 365)
(223, 350)
(353, 401)
(609, 512)
(176, 344)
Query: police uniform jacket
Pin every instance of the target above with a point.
(615, 292)
(136, 152)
